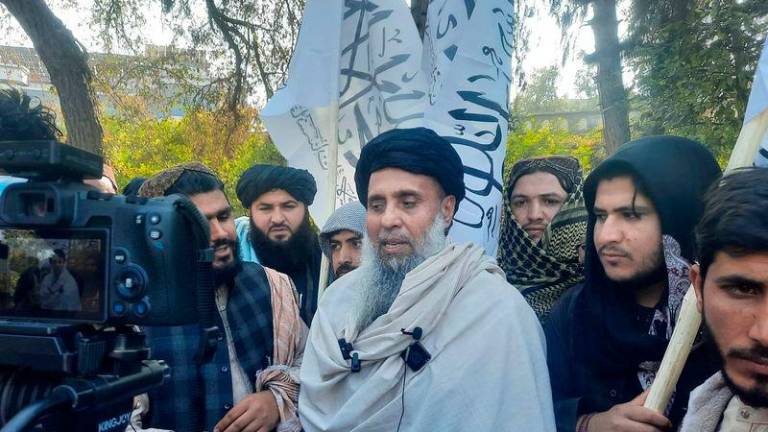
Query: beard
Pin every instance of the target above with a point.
(286, 256)
(383, 276)
(756, 396)
(225, 274)
(651, 270)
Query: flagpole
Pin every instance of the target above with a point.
(333, 158)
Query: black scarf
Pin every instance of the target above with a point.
(675, 172)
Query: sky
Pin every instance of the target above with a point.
(545, 48)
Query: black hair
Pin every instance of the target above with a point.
(60, 253)
(617, 170)
(193, 182)
(20, 120)
(735, 219)
(132, 188)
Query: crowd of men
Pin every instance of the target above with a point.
(564, 330)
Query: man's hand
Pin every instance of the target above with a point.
(630, 417)
(255, 413)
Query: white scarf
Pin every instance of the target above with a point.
(488, 368)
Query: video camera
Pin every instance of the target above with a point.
(79, 269)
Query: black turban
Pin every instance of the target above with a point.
(260, 179)
(419, 151)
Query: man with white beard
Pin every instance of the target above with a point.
(426, 334)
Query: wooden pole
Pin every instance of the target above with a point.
(333, 161)
(333, 158)
(686, 329)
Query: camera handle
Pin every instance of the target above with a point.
(87, 393)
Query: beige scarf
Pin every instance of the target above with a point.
(290, 335)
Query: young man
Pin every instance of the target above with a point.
(251, 382)
(606, 338)
(278, 233)
(405, 341)
(543, 225)
(731, 282)
(342, 238)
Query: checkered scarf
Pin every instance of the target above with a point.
(543, 271)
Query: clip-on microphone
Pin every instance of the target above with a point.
(346, 352)
(415, 356)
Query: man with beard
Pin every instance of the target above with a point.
(404, 341)
(251, 381)
(731, 281)
(58, 290)
(606, 337)
(278, 233)
(342, 238)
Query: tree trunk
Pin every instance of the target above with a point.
(419, 13)
(613, 96)
(67, 64)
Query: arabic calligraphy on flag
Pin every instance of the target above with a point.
(455, 82)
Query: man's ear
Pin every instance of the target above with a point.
(698, 285)
(448, 208)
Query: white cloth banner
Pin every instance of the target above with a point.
(752, 145)
(372, 52)
(468, 52)
(456, 82)
(758, 103)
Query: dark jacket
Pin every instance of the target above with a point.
(579, 389)
(197, 396)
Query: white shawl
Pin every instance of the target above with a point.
(488, 370)
(706, 405)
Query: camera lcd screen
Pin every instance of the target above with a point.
(52, 275)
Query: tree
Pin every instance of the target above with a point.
(419, 13)
(67, 64)
(537, 139)
(540, 92)
(250, 42)
(607, 58)
(133, 144)
(696, 58)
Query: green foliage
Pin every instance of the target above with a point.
(539, 95)
(140, 147)
(531, 140)
(694, 61)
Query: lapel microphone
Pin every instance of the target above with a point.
(415, 356)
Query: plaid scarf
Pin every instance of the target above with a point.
(543, 271)
(205, 391)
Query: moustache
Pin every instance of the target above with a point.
(223, 242)
(345, 268)
(393, 237)
(281, 225)
(758, 354)
(612, 249)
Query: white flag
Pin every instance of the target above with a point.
(752, 145)
(371, 51)
(467, 56)
(456, 83)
